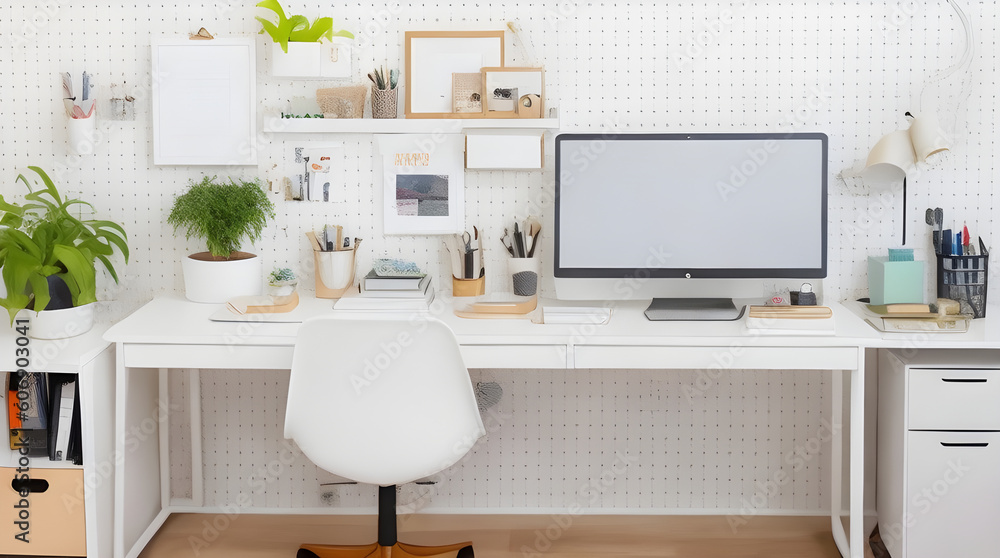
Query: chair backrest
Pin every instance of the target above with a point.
(380, 401)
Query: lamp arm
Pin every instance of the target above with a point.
(967, 52)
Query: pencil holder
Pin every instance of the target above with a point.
(524, 275)
(334, 272)
(81, 133)
(964, 278)
(468, 287)
(383, 103)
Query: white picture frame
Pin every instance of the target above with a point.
(431, 59)
(204, 101)
(423, 183)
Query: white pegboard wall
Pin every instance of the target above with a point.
(848, 68)
(605, 440)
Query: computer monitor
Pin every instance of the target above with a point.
(683, 218)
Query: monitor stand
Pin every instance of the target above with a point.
(693, 309)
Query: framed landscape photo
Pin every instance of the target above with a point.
(423, 179)
(432, 57)
(504, 88)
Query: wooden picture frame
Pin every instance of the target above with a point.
(199, 121)
(524, 80)
(431, 59)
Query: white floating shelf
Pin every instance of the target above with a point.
(274, 124)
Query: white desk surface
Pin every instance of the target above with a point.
(171, 319)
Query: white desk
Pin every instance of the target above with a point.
(171, 332)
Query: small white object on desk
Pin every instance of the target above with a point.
(597, 315)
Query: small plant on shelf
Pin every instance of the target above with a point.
(223, 214)
(49, 255)
(295, 29)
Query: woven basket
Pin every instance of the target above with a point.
(342, 102)
(383, 103)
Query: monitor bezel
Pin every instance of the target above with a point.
(691, 273)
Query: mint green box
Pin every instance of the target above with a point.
(894, 282)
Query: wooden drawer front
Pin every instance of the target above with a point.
(725, 358)
(954, 399)
(55, 518)
(514, 356)
(952, 494)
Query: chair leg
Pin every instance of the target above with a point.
(387, 545)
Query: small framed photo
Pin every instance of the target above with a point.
(506, 90)
(432, 59)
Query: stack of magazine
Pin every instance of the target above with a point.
(391, 293)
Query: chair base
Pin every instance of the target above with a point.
(375, 550)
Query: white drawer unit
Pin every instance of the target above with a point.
(939, 453)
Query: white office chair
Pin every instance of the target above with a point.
(381, 401)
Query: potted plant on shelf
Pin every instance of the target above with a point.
(223, 215)
(49, 259)
(299, 51)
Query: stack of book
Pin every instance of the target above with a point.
(43, 415)
(391, 293)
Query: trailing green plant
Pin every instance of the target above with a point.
(296, 29)
(223, 214)
(41, 238)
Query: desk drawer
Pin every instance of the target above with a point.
(237, 357)
(736, 358)
(954, 399)
(514, 356)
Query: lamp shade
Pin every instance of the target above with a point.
(891, 158)
(927, 136)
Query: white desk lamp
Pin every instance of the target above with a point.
(897, 153)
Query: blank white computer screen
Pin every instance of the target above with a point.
(713, 205)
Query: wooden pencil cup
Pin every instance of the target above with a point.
(334, 272)
(468, 287)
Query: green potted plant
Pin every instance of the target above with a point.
(224, 215)
(298, 50)
(49, 257)
(281, 285)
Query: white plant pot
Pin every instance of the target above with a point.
(313, 60)
(218, 281)
(58, 324)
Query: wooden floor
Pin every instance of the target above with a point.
(502, 536)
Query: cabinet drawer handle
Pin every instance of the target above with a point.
(965, 445)
(30, 485)
(965, 380)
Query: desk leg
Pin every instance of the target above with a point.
(194, 411)
(837, 464)
(138, 420)
(851, 545)
(858, 459)
(163, 394)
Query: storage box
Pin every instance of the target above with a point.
(895, 282)
(52, 514)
